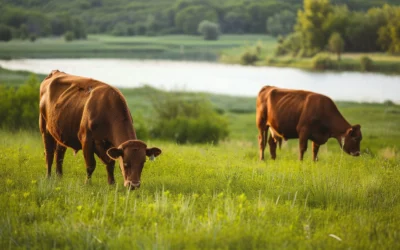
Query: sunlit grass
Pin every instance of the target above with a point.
(204, 196)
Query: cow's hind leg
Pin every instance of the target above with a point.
(272, 146)
(60, 152)
(49, 147)
(303, 140)
(262, 134)
(101, 150)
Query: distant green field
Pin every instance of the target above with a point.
(179, 47)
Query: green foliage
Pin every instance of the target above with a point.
(69, 36)
(23, 31)
(209, 30)
(336, 44)
(366, 63)
(188, 19)
(235, 22)
(389, 34)
(310, 24)
(281, 23)
(249, 57)
(322, 62)
(32, 38)
(19, 107)
(187, 120)
(291, 44)
(5, 33)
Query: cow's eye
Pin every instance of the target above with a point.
(125, 164)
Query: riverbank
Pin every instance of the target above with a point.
(229, 49)
(263, 55)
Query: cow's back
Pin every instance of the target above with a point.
(63, 99)
(284, 109)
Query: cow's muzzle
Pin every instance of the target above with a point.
(132, 185)
(357, 153)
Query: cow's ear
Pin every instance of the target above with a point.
(153, 152)
(114, 153)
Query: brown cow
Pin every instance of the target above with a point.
(305, 115)
(83, 113)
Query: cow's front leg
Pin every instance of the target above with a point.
(272, 147)
(110, 163)
(315, 147)
(88, 153)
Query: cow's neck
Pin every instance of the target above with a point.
(339, 128)
(122, 132)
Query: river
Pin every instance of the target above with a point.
(219, 78)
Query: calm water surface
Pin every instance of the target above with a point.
(219, 78)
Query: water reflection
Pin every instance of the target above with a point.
(219, 78)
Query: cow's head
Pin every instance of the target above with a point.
(132, 156)
(351, 140)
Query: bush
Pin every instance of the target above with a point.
(366, 63)
(187, 120)
(209, 30)
(322, 62)
(19, 107)
(32, 38)
(69, 36)
(249, 57)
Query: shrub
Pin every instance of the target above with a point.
(19, 107)
(32, 38)
(187, 120)
(249, 57)
(366, 63)
(209, 30)
(322, 62)
(69, 36)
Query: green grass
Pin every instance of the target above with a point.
(180, 47)
(207, 196)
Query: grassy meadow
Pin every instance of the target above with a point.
(210, 196)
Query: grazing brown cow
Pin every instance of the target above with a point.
(83, 113)
(305, 115)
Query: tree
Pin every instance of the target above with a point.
(5, 33)
(209, 30)
(310, 23)
(188, 19)
(281, 23)
(23, 31)
(336, 44)
(235, 22)
(389, 34)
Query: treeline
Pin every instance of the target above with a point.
(19, 23)
(321, 25)
(157, 17)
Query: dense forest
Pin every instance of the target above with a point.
(358, 21)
